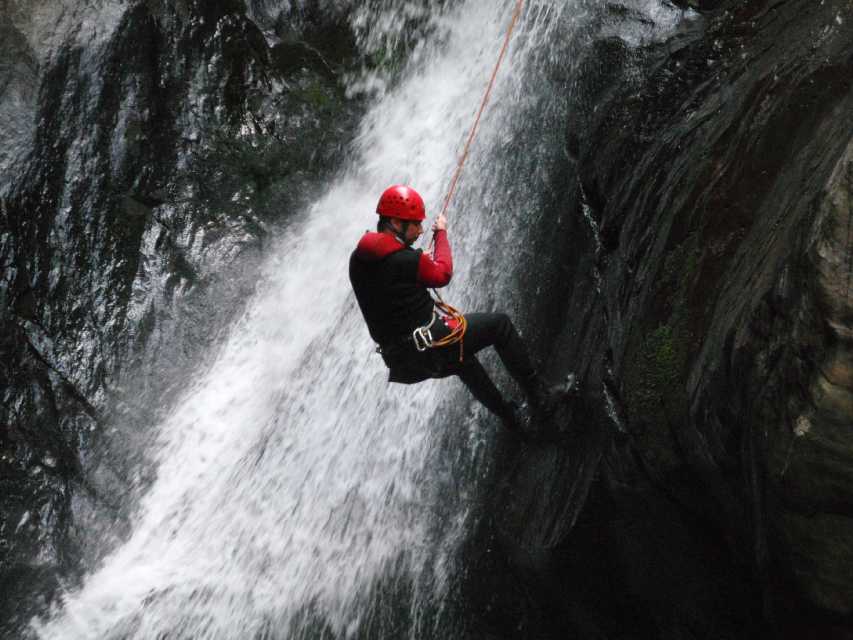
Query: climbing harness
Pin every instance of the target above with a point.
(455, 321)
(423, 336)
(453, 317)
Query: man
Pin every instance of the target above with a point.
(390, 280)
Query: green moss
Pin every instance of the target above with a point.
(317, 95)
(657, 372)
(657, 356)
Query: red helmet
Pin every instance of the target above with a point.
(401, 202)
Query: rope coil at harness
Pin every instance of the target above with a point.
(457, 333)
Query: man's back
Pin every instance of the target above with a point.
(384, 275)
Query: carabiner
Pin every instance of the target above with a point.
(423, 338)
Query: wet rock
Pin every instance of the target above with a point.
(701, 285)
(154, 144)
(710, 263)
(18, 80)
(810, 450)
(724, 212)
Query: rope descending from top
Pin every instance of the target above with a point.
(515, 16)
(457, 334)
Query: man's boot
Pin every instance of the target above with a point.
(543, 398)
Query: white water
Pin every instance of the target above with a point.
(291, 476)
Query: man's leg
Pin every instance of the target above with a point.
(496, 329)
(474, 376)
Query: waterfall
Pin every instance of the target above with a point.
(291, 479)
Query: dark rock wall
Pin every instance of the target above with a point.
(705, 491)
(737, 290)
(144, 163)
(711, 309)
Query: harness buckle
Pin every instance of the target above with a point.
(423, 338)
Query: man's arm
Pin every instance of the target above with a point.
(436, 271)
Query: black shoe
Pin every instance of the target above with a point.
(543, 398)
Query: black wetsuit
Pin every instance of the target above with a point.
(390, 281)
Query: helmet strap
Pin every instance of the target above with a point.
(402, 234)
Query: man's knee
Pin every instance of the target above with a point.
(505, 328)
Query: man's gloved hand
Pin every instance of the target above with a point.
(440, 223)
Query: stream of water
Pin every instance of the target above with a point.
(291, 479)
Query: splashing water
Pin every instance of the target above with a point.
(292, 477)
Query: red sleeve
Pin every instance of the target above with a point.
(436, 271)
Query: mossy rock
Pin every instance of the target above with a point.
(656, 392)
(657, 357)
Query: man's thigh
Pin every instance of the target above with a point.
(483, 330)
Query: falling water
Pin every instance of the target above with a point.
(291, 478)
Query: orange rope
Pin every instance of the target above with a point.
(458, 333)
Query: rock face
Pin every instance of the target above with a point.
(714, 274)
(148, 148)
(703, 488)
